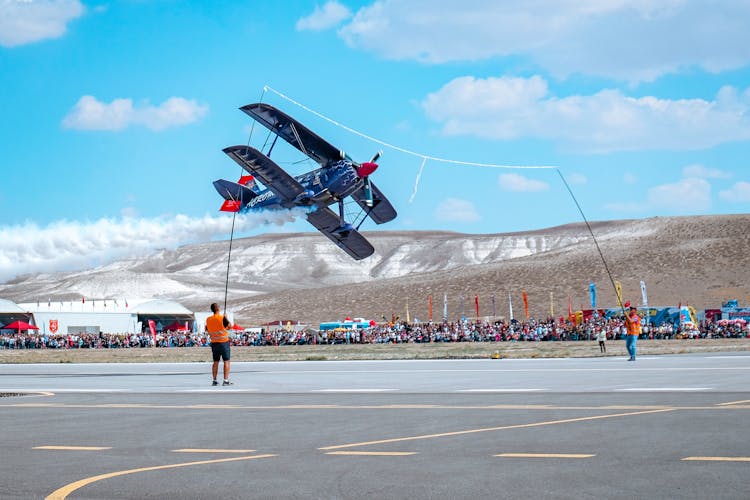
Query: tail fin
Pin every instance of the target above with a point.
(236, 194)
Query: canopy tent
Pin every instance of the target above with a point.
(237, 327)
(19, 325)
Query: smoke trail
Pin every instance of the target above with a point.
(71, 245)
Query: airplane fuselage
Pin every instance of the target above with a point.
(323, 186)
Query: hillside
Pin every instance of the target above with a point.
(695, 260)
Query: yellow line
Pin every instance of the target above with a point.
(718, 459)
(490, 429)
(543, 455)
(210, 450)
(73, 448)
(66, 490)
(734, 402)
(374, 453)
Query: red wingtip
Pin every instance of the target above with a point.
(230, 206)
(245, 180)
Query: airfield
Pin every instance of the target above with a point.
(662, 427)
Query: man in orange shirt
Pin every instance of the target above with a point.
(633, 326)
(216, 326)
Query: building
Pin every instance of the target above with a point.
(108, 316)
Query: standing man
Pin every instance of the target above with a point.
(601, 336)
(216, 327)
(633, 326)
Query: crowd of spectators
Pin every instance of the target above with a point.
(386, 333)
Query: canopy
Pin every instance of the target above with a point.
(237, 327)
(19, 325)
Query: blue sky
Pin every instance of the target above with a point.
(115, 113)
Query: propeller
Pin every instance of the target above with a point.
(364, 170)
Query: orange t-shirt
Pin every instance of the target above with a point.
(215, 328)
(633, 324)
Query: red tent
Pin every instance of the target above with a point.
(19, 325)
(237, 327)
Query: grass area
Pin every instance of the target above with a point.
(468, 350)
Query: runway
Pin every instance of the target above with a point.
(662, 427)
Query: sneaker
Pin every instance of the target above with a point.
(227, 382)
(214, 383)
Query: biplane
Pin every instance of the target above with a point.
(338, 177)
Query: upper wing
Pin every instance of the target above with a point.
(266, 170)
(351, 242)
(382, 211)
(293, 132)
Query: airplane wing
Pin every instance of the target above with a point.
(353, 243)
(293, 132)
(266, 170)
(382, 211)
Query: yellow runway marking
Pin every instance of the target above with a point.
(374, 453)
(210, 450)
(66, 490)
(717, 459)
(543, 455)
(734, 403)
(73, 448)
(491, 429)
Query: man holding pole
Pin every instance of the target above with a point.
(633, 326)
(216, 326)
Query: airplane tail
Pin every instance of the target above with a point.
(236, 194)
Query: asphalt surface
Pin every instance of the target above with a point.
(662, 427)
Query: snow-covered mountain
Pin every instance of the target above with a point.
(701, 260)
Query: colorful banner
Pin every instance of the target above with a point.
(618, 291)
(644, 295)
(476, 306)
(510, 307)
(592, 292)
(445, 307)
(525, 304)
(429, 308)
(152, 327)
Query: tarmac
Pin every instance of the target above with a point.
(660, 427)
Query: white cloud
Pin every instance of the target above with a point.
(92, 114)
(517, 182)
(27, 21)
(508, 108)
(632, 40)
(576, 178)
(456, 210)
(323, 18)
(66, 245)
(690, 195)
(738, 193)
(704, 172)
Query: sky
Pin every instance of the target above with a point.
(115, 113)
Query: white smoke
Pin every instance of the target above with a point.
(72, 245)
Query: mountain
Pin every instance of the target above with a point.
(302, 276)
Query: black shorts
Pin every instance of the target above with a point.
(220, 350)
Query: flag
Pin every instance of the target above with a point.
(571, 317)
(510, 307)
(644, 295)
(618, 290)
(408, 318)
(551, 305)
(592, 292)
(525, 304)
(429, 308)
(476, 306)
(445, 307)
(152, 327)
